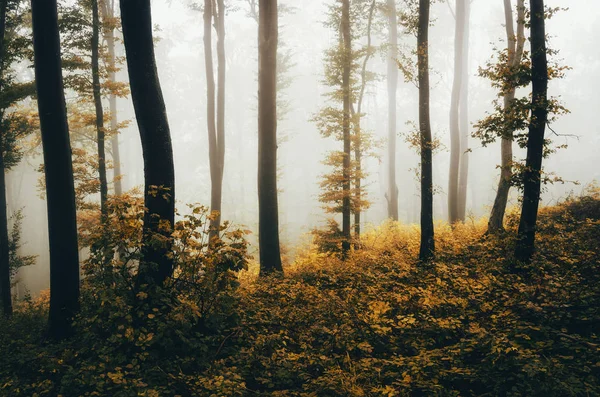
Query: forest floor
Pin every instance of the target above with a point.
(378, 324)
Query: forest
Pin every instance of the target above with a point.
(299, 198)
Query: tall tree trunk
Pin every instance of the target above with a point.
(464, 119)
(216, 129)
(427, 249)
(108, 12)
(358, 193)
(99, 110)
(268, 221)
(60, 191)
(347, 65)
(455, 135)
(392, 80)
(535, 139)
(515, 53)
(5, 294)
(159, 175)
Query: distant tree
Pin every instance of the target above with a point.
(535, 139)
(392, 81)
(268, 222)
(159, 174)
(60, 192)
(465, 125)
(216, 127)
(427, 249)
(515, 47)
(359, 137)
(346, 97)
(109, 24)
(456, 105)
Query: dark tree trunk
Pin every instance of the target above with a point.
(347, 65)
(99, 110)
(392, 80)
(5, 294)
(159, 176)
(515, 53)
(535, 142)
(268, 221)
(455, 133)
(464, 119)
(427, 248)
(109, 36)
(60, 192)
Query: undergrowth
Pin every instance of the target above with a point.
(379, 324)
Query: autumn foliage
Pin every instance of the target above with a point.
(374, 325)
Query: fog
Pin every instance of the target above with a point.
(180, 57)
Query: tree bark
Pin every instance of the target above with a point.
(109, 35)
(159, 175)
(99, 110)
(392, 86)
(347, 65)
(60, 191)
(5, 293)
(515, 53)
(455, 133)
(427, 248)
(268, 220)
(464, 119)
(535, 142)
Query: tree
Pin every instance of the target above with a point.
(427, 249)
(358, 134)
(268, 222)
(99, 110)
(108, 16)
(60, 193)
(392, 80)
(5, 294)
(515, 47)
(535, 140)
(159, 174)
(464, 120)
(15, 124)
(216, 129)
(346, 93)
(456, 105)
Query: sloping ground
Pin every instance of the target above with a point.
(378, 325)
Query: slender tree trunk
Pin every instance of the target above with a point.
(159, 175)
(535, 142)
(347, 65)
(455, 135)
(215, 197)
(5, 294)
(217, 158)
(464, 119)
(358, 194)
(108, 12)
(515, 53)
(99, 110)
(392, 80)
(268, 221)
(60, 191)
(427, 249)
